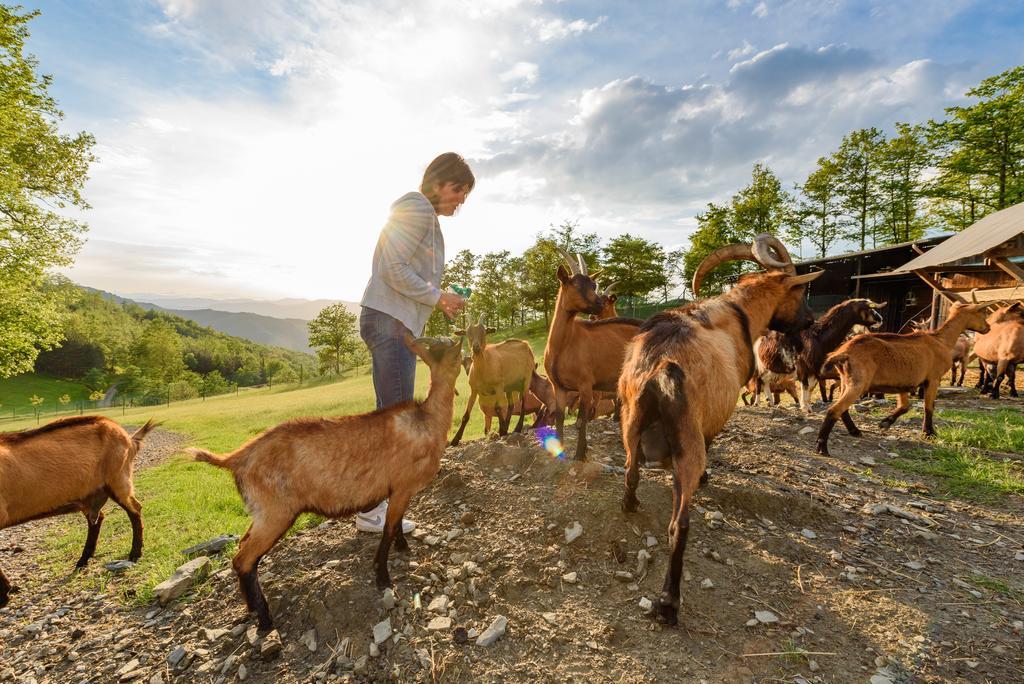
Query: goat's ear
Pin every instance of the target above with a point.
(797, 281)
(879, 306)
(613, 298)
(491, 331)
(417, 347)
(563, 274)
(459, 333)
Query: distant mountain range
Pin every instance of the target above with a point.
(280, 322)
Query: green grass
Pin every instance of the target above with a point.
(998, 586)
(964, 473)
(1001, 430)
(184, 502)
(15, 393)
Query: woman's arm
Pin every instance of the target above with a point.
(408, 227)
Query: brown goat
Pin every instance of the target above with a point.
(683, 374)
(582, 356)
(785, 383)
(776, 362)
(497, 374)
(537, 398)
(69, 465)
(1001, 349)
(608, 310)
(900, 363)
(339, 466)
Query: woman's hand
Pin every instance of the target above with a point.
(450, 304)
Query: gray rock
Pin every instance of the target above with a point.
(243, 672)
(570, 577)
(706, 583)
(573, 532)
(271, 646)
(809, 534)
(175, 656)
(382, 631)
(643, 557)
(439, 623)
(183, 579)
(646, 604)
(494, 632)
(215, 545)
(439, 605)
(118, 566)
(766, 617)
(388, 599)
(309, 640)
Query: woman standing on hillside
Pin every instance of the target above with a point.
(404, 289)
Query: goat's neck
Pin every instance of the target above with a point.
(949, 332)
(440, 402)
(563, 324)
(832, 330)
(758, 307)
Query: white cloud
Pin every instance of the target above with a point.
(556, 28)
(760, 11)
(523, 72)
(741, 51)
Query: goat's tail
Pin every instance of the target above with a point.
(664, 392)
(141, 433)
(204, 456)
(833, 364)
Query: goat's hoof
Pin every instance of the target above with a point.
(401, 544)
(856, 433)
(384, 582)
(263, 627)
(134, 557)
(703, 479)
(630, 504)
(823, 449)
(1013, 393)
(885, 424)
(665, 613)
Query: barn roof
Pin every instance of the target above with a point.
(988, 233)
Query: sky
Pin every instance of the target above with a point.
(252, 148)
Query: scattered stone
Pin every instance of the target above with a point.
(570, 577)
(651, 541)
(467, 518)
(374, 650)
(752, 622)
(183, 579)
(573, 532)
(440, 623)
(914, 565)
(309, 640)
(175, 656)
(624, 575)
(808, 430)
(128, 668)
(213, 546)
(881, 679)
(550, 618)
(388, 599)
(813, 665)
(643, 557)
(714, 515)
(472, 569)
(766, 617)
(706, 583)
(431, 540)
(927, 535)
(382, 631)
(243, 672)
(493, 632)
(439, 605)
(271, 646)
(867, 460)
(1019, 556)
(874, 509)
(331, 564)
(156, 679)
(118, 566)
(809, 534)
(212, 635)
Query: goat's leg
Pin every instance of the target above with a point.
(582, 417)
(931, 390)
(122, 492)
(397, 503)
(558, 411)
(758, 390)
(999, 375)
(523, 391)
(963, 372)
(5, 589)
(634, 452)
(502, 409)
(465, 418)
(805, 393)
(1011, 377)
(851, 429)
(94, 520)
(848, 395)
(487, 423)
(792, 393)
(259, 538)
(902, 406)
(687, 468)
(981, 375)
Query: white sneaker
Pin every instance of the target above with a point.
(373, 520)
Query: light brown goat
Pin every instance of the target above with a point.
(67, 466)
(900, 363)
(582, 356)
(684, 371)
(608, 310)
(339, 466)
(1001, 348)
(498, 373)
(538, 398)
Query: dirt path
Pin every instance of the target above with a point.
(928, 590)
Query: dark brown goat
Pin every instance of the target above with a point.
(582, 356)
(67, 466)
(684, 371)
(900, 363)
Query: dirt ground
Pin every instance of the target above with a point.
(854, 579)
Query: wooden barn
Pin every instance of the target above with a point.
(920, 279)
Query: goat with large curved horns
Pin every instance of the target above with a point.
(684, 371)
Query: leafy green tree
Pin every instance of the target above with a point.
(636, 265)
(763, 206)
(538, 284)
(902, 162)
(818, 213)
(857, 162)
(715, 228)
(981, 146)
(214, 383)
(41, 173)
(495, 291)
(334, 329)
(458, 272)
(158, 353)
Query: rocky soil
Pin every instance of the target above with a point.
(799, 569)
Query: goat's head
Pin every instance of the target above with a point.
(443, 355)
(865, 313)
(974, 315)
(467, 361)
(1011, 312)
(791, 312)
(476, 335)
(578, 290)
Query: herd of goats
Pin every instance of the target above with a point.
(673, 380)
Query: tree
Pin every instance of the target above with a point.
(714, 229)
(458, 272)
(761, 207)
(333, 334)
(158, 353)
(818, 212)
(636, 265)
(902, 162)
(538, 283)
(981, 165)
(41, 171)
(857, 168)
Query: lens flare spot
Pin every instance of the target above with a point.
(548, 439)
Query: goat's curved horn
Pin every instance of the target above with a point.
(974, 296)
(482, 320)
(762, 248)
(567, 258)
(608, 290)
(721, 255)
(582, 264)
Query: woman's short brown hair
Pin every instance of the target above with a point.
(447, 168)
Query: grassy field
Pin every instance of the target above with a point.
(15, 393)
(184, 502)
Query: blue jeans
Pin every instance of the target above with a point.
(394, 366)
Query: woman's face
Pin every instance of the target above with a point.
(450, 197)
